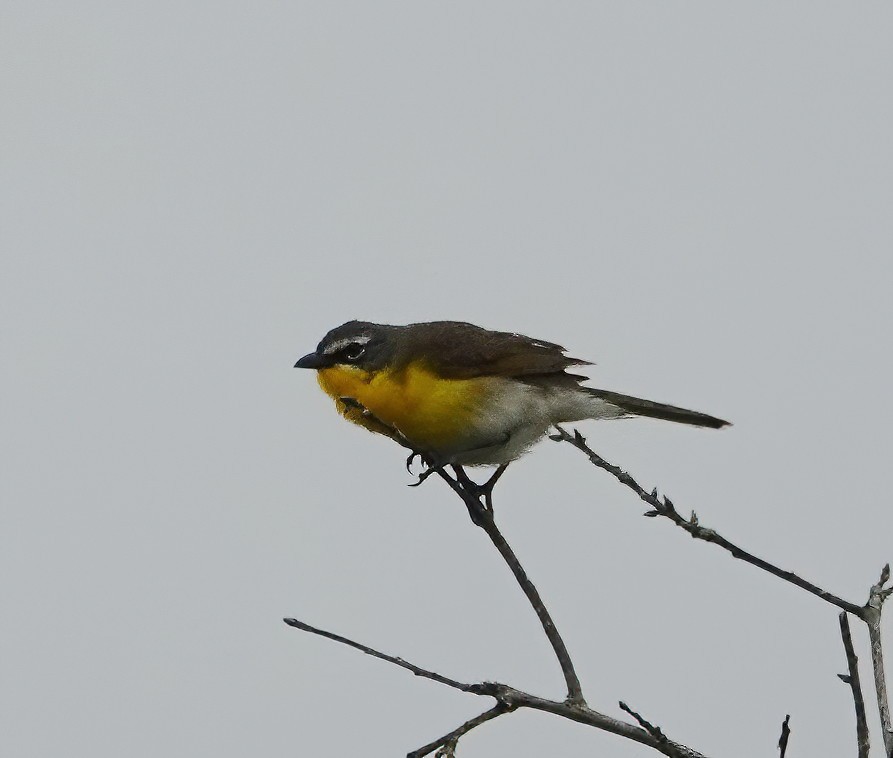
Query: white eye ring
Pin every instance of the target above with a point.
(354, 351)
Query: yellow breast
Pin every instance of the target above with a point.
(430, 412)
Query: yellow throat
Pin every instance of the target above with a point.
(432, 413)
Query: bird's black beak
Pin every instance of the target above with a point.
(312, 360)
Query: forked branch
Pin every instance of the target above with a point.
(477, 500)
(482, 516)
(446, 745)
(870, 613)
(509, 699)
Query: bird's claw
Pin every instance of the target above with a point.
(424, 475)
(412, 456)
(431, 466)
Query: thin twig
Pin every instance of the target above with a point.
(449, 740)
(872, 617)
(511, 699)
(852, 679)
(383, 656)
(785, 736)
(664, 507)
(483, 517)
(654, 731)
(574, 688)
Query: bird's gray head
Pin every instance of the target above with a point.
(356, 343)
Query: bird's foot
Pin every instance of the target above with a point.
(432, 464)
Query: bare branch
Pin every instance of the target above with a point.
(483, 517)
(785, 736)
(585, 715)
(664, 507)
(477, 499)
(575, 690)
(383, 656)
(852, 679)
(655, 731)
(509, 699)
(449, 741)
(872, 617)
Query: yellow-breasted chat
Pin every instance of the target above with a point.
(463, 395)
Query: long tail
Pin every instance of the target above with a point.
(638, 407)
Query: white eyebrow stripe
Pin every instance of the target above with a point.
(360, 339)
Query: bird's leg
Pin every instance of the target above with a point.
(463, 478)
(487, 486)
(476, 509)
(484, 490)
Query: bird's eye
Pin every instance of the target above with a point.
(354, 351)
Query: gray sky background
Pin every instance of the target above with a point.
(695, 196)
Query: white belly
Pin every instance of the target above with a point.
(519, 415)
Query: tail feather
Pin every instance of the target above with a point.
(638, 407)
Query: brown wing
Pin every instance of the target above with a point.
(457, 350)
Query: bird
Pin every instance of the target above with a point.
(461, 395)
